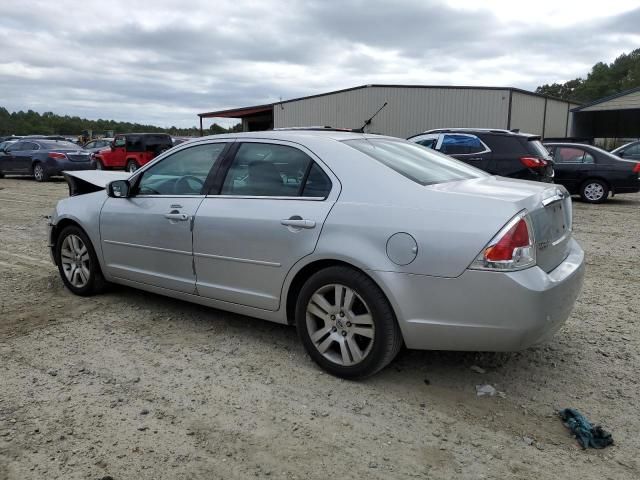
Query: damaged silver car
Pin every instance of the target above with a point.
(364, 242)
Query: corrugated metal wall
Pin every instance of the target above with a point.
(410, 110)
(527, 113)
(631, 100)
(556, 119)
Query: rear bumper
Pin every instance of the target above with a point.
(56, 167)
(485, 311)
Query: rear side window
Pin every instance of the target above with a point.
(572, 155)
(453, 144)
(505, 144)
(420, 164)
(272, 170)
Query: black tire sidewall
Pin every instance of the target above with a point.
(381, 312)
(589, 182)
(130, 162)
(95, 275)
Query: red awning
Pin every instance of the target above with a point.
(238, 112)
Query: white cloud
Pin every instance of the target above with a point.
(162, 62)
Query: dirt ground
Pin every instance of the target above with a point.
(133, 385)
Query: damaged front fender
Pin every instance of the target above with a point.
(89, 181)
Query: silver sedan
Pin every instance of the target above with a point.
(364, 242)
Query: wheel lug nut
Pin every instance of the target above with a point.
(342, 314)
(333, 317)
(348, 324)
(344, 334)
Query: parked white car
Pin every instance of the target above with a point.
(364, 242)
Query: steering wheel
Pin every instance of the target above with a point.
(182, 185)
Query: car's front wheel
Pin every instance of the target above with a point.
(77, 262)
(39, 173)
(346, 323)
(594, 191)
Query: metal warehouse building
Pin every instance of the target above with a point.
(412, 109)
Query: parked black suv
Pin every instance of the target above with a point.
(500, 152)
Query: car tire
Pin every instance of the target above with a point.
(99, 165)
(594, 191)
(74, 252)
(132, 166)
(346, 323)
(40, 173)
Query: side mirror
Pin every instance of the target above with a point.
(118, 189)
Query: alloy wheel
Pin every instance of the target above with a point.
(75, 260)
(38, 172)
(340, 324)
(594, 191)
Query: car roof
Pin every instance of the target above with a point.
(297, 135)
(499, 131)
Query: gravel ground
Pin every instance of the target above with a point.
(134, 385)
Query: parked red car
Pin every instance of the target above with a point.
(132, 150)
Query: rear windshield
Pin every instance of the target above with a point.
(418, 163)
(49, 144)
(538, 148)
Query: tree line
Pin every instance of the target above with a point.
(603, 80)
(49, 123)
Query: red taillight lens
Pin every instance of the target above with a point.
(517, 236)
(513, 248)
(533, 162)
(636, 168)
(56, 155)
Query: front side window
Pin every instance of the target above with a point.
(456, 144)
(119, 142)
(271, 170)
(183, 173)
(633, 150)
(91, 144)
(420, 164)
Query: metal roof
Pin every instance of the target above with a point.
(239, 112)
(606, 99)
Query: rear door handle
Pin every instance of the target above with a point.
(297, 222)
(182, 217)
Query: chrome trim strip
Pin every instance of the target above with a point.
(553, 199)
(168, 196)
(146, 247)
(258, 197)
(240, 260)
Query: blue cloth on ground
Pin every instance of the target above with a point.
(586, 434)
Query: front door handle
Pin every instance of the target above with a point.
(298, 222)
(181, 217)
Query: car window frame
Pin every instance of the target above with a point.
(215, 191)
(461, 134)
(135, 179)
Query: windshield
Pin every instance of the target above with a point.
(418, 163)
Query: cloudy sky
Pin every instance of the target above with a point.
(161, 61)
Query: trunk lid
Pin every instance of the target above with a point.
(548, 205)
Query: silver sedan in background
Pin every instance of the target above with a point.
(364, 242)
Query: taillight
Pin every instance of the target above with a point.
(533, 162)
(513, 248)
(636, 168)
(56, 155)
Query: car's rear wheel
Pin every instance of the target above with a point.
(346, 323)
(77, 262)
(594, 191)
(39, 173)
(132, 166)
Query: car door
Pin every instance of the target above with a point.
(118, 152)
(7, 162)
(572, 165)
(147, 237)
(264, 217)
(22, 158)
(467, 148)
